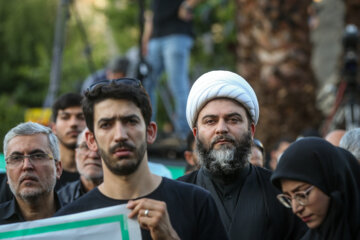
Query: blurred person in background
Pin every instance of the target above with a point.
(166, 44)
(67, 123)
(192, 162)
(351, 142)
(116, 68)
(321, 184)
(88, 164)
(335, 136)
(280, 146)
(257, 153)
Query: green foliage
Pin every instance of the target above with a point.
(27, 35)
(11, 114)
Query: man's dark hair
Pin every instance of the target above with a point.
(114, 90)
(65, 101)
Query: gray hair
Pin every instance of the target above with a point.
(80, 136)
(351, 142)
(31, 128)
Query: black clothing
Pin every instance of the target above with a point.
(256, 213)
(5, 192)
(71, 192)
(65, 178)
(335, 172)
(10, 212)
(166, 20)
(192, 211)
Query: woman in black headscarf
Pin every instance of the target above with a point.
(321, 184)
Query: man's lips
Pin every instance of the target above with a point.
(98, 164)
(28, 179)
(73, 133)
(123, 152)
(306, 219)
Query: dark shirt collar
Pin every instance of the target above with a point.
(11, 212)
(240, 178)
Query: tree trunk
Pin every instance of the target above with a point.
(273, 54)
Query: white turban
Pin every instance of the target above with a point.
(218, 84)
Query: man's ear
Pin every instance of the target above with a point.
(53, 127)
(252, 128)
(59, 169)
(151, 131)
(189, 157)
(91, 141)
(194, 130)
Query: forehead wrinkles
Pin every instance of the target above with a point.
(24, 143)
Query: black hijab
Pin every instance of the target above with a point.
(334, 171)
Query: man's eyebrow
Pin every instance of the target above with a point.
(209, 116)
(126, 117)
(130, 116)
(106, 119)
(234, 114)
(37, 150)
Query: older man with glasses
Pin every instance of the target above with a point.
(32, 167)
(88, 164)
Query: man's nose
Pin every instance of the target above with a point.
(120, 132)
(221, 127)
(27, 164)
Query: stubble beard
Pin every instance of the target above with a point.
(32, 195)
(226, 162)
(115, 166)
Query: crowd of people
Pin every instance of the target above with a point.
(95, 155)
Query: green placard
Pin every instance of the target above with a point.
(2, 163)
(122, 219)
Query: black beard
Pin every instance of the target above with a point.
(123, 170)
(230, 169)
(70, 146)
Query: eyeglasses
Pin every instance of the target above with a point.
(301, 197)
(127, 81)
(17, 160)
(83, 148)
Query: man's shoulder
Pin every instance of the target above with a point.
(185, 191)
(89, 201)
(5, 205)
(189, 178)
(8, 213)
(69, 192)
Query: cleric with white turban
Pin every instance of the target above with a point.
(220, 84)
(243, 193)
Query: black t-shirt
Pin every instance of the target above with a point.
(192, 210)
(166, 20)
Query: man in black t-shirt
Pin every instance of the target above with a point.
(118, 114)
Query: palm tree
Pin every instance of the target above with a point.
(273, 54)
